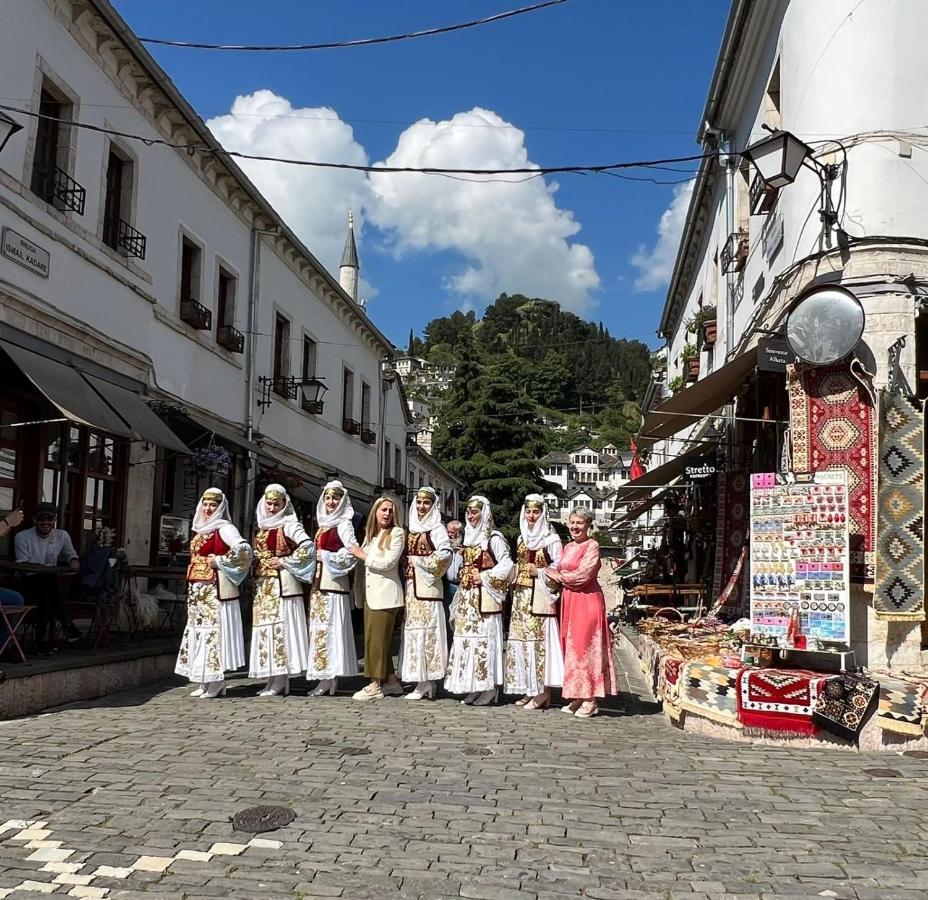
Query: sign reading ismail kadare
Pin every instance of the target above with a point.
(24, 252)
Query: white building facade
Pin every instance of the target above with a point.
(846, 79)
(167, 275)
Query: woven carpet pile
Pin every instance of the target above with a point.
(843, 703)
(833, 426)
(778, 700)
(710, 691)
(899, 589)
(902, 706)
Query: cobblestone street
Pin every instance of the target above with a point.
(132, 796)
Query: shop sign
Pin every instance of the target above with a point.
(24, 252)
(701, 471)
(774, 354)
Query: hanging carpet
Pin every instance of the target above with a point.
(833, 426)
(899, 590)
(731, 530)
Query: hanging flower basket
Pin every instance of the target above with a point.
(211, 460)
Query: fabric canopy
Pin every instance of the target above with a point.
(662, 476)
(639, 509)
(226, 432)
(144, 422)
(700, 399)
(65, 389)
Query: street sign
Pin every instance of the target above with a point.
(774, 354)
(24, 252)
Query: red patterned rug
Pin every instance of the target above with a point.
(731, 529)
(780, 700)
(833, 425)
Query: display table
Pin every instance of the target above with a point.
(793, 658)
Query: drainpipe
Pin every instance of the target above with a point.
(729, 284)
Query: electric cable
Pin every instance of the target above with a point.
(358, 42)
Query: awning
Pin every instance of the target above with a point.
(144, 422)
(639, 509)
(662, 475)
(700, 399)
(65, 389)
(225, 431)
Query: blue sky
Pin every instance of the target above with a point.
(590, 81)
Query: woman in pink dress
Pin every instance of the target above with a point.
(589, 671)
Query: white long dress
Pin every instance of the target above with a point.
(332, 651)
(476, 662)
(424, 642)
(213, 642)
(279, 634)
(534, 658)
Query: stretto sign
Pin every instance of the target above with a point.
(701, 472)
(24, 252)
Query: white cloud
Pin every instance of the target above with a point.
(313, 202)
(655, 266)
(512, 234)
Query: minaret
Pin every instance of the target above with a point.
(348, 271)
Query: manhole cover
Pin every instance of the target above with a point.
(883, 773)
(320, 742)
(354, 751)
(916, 754)
(258, 819)
(478, 751)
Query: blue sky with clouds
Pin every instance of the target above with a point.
(589, 81)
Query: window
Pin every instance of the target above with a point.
(281, 354)
(348, 421)
(117, 206)
(411, 480)
(225, 299)
(51, 142)
(365, 405)
(190, 256)
(387, 460)
(309, 358)
(397, 462)
(772, 115)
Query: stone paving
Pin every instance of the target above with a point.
(132, 797)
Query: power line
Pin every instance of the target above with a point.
(359, 42)
(194, 149)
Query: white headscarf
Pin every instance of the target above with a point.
(288, 514)
(534, 536)
(344, 512)
(432, 517)
(479, 535)
(204, 525)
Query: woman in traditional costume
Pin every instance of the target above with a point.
(380, 589)
(589, 671)
(476, 664)
(424, 645)
(285, 562)
(220, 557)
(331, 639)
(534, 661)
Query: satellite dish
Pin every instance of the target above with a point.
(825, 325)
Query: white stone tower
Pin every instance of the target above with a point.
(348, 271)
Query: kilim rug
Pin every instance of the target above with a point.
(779, 700)
(902, 706)
(668, 681)
(843, 703)
(833, 425)
(899, 589)
(710, 691)
(731, 531)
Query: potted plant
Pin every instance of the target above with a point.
(703, 325)
(676, 384)
(690, 356)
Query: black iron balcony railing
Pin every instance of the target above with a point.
(55, 186)
(368, 436)
(196, 314)
(352, 426)
(120, 235)
(230, 338)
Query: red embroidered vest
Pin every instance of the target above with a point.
(417, 545)
(269, 544)
(201, 547)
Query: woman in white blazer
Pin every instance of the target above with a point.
(382, 593)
